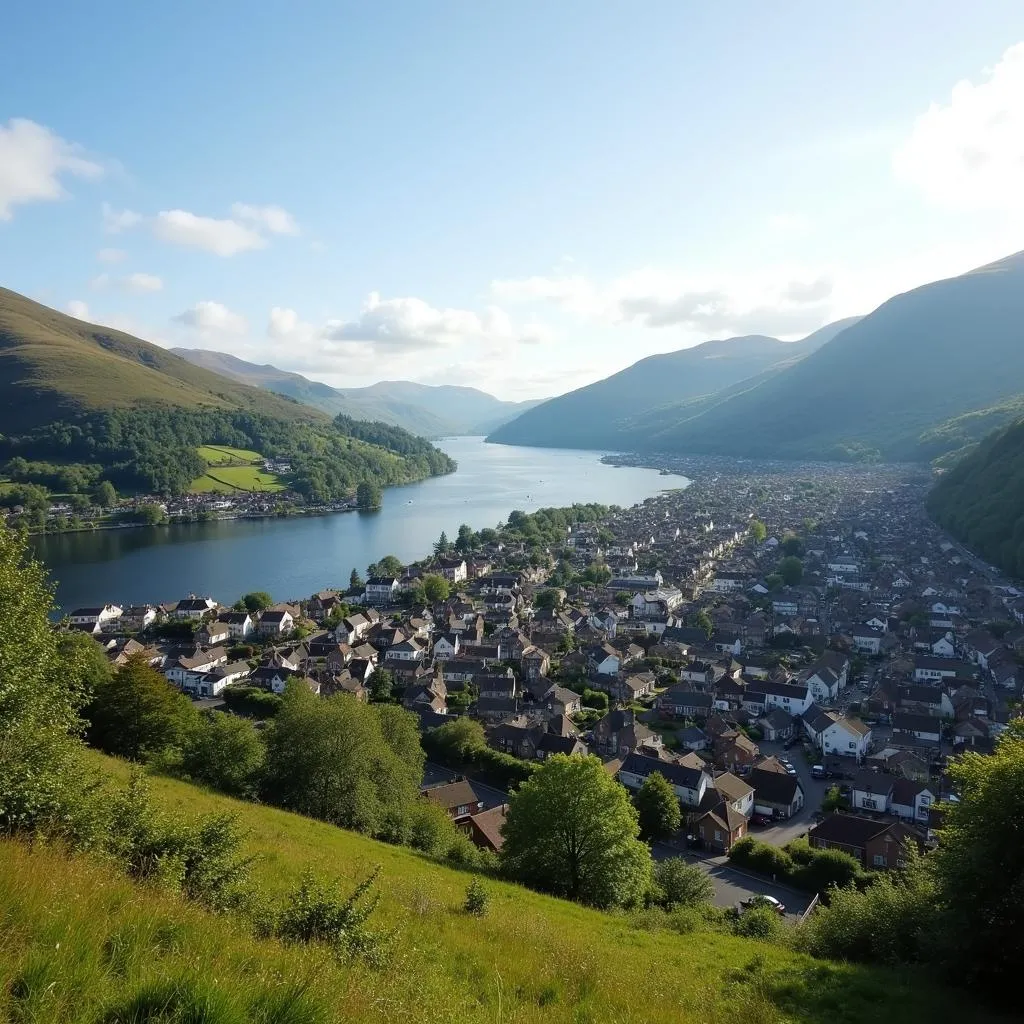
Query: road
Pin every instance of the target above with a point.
(436, 775)
(732, 885)
(814, 793)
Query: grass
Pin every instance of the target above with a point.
(221, 455)
(233, 470)
(78, 943)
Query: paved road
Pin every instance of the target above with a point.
(814, 793)
(731, 885)
(436, 775)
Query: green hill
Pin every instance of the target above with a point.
(431, 411)
(601, 415)
(82, 944)
(885, 387)
(74, 394)
(981, 499)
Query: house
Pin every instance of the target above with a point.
(381, 590)
(737, 793)
(912, 801)
(792, 698)
(454, 570)
(823, 683)
(138, 616)
(191, 665)
(776, 793)
(194, 608)
(213, 683)
(720, 829)
(980, 646)
(405, 651)
(834, 733)
(928, 669)
(776, 725)
(485, 828)
(562, 701)
(727, 642)
(605, 660)
(535, 663)
(689, 784)
(551, 743)
(657, 603)
(459, 799)
(275, 623)
(681, 702)
(871, 791)
(240, 624)
(217, 632)
(867, 640)
(618, 733)
(735, 751)
(876, 844)
(101, 615)
(922, 727)
(446, 645)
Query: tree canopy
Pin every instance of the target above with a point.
(658, 808)
(572, 830)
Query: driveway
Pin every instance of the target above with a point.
(814, 793)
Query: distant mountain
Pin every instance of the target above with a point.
(602, 415)
(895, 385)
(423, 409)
(981, 499)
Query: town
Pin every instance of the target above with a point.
(797, 649)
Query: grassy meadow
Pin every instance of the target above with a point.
(230, 470)
(80, 943)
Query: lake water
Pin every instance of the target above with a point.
(295, 557)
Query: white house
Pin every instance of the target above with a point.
(605, 659)
(213, 684)
(407, 650)
(194, 608)
(446, 646)
(833, 733)
(98, 616)
(911, 800)
(656, 603)
(943, 647)
(932, 670)
(239, 624)
(867, 640)
(823, 683)
(381, 590)
(872, 791)
(689, 784)
(795, 699)
(189, 667)
(846, 564)
(728, 583)
(276, 623)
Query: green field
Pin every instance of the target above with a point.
(82, 944)
(233, 470)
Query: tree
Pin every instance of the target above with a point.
(773, 581)
(700, 619)
(255, 601)
(442, 546)
(138, 714)
(435, 588)
(791, 569)
(225, 752)
(368, 495)
(455, 742)
(389, 565)
(550, 598)
(657, 808)
(340, 761)
(380, 684)
(150, 514)
(834, 800)
(571, 830)
(792, 545)
(104, 495)
(41, 691)
(355, 581)
(679, 884)
(758, 531)
(466, 539)
(979, 865)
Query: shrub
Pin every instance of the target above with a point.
(317, 912)
(762, 858)
(678, 884)
(759, 922)
(477, 900)
(828, 868)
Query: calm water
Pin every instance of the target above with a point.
(292, 558)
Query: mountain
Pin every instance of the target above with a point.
(924, 373)
(121, 409)
(981, 499)
(425, 410)
(600, 414)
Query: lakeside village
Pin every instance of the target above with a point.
(796, 649)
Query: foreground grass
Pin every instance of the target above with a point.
(79, 943)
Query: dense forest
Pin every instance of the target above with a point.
(981, 499)
(154, 451)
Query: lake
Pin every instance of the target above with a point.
(295, 557)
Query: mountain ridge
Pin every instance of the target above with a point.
(428, 410)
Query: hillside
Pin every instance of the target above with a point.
(981, 499)
(121, 409)
(431, 411)
(599, 415)
(86, 945)
(885, 387)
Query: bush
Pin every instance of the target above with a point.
(317, 912)
(681, 885)
(762, 858)
(226, 753)
(252, 701)
(828, 868)
(477, 899)
(759, 922)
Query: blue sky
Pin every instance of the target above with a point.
(521, 197)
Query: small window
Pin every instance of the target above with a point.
(718, 836)
(878, 860)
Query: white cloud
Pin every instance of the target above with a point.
(212, 318)
(787, 304)
(32, 161)
(137, 283)
(273, 218)
(111, 255)
(287, 325)
(222, 237)
(78, 309)
(409, 324)
(116, 221)
(969, 152)
(789, 224)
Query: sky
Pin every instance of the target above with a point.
(522, 197)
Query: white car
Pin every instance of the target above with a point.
(759, 900)
(788, 765)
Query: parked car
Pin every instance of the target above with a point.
(788, 765)
(760, 819)
(818, 772)
(760, 900)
